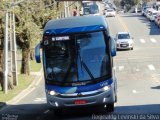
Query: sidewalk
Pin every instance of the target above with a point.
(23, 93)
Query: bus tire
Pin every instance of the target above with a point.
(58, 112)
(110, 107)
(115, 98)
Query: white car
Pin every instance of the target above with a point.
(148, 12)
(144, 9)
(124, 40)
(110, 13)
(152, 17)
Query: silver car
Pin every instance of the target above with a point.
(110, 13)
(124, 40)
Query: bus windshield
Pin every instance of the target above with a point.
(83, 57)
(91, 9)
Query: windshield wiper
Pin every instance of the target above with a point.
(85, 66)
(83, 63)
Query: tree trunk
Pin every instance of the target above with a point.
(1, 80)
(10, 81)
(25, 62)
(1, 52)
(32, 54)
(1, 69)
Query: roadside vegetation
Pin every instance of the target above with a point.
(23, 79)
(126, 4)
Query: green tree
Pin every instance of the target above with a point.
(129, 3)
(30, 18)
(117, 3)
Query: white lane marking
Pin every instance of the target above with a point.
(153, 40)
(37, 83)
(142, 41)
(134, 91)
(40, 99)
(151, 67)
(121, 68)
(43, 98)
(45, 112)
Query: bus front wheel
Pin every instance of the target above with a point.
(58, 112)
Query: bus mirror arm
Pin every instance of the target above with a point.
(113, 47)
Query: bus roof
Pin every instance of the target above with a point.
(75, 25)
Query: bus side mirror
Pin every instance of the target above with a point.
(113, 47)
(37, 53)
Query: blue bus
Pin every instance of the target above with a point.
(78, 63)
(90, 8)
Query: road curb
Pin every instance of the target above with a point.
(24, 92)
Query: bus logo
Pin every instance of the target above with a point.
(79, 94)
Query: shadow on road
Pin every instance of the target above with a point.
(123, 50)
(156, 87)
(36, 112)
(154, 30)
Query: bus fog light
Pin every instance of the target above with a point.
(56, 103)
(104, 99)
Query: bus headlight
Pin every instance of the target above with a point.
(106, 88)
(52, 92)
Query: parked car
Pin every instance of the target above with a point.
(124, 40)
(153, 15)
(110, 13)
(144, 9)
(147, 12)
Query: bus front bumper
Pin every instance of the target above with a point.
(105, 97)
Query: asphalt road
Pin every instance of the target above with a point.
(137, 71)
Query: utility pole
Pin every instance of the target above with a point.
(10, 38)
(65, 9)
(6, 54)
(68, 11)
(14, 54)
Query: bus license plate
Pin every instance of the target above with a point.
(79, 102)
